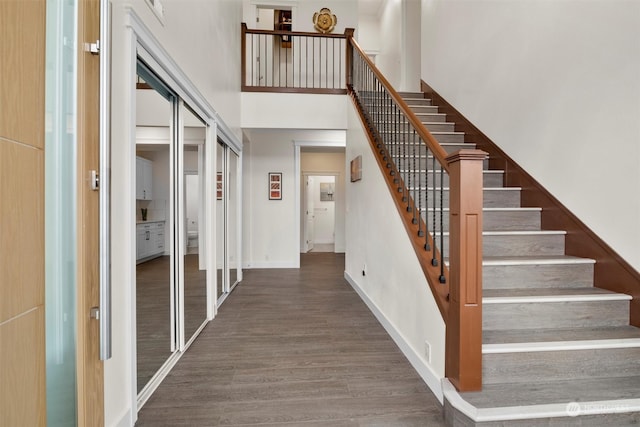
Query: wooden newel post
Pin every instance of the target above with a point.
(349, 56)
(463, 363)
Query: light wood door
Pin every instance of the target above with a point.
(90, 368)
(22, 255)
(22, 338)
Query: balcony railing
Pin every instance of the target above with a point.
(286, 61)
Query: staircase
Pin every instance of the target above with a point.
(556, 350)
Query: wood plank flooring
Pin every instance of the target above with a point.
(293, 347)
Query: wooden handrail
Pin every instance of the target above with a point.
(424, 134)
(293, 33)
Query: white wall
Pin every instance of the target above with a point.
(203, 39)
(294, 110)
(556, 85)
(271, 226)
(322, 162)
(369, 34)
(389, 58)
(394, 285)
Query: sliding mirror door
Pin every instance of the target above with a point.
(155, 283)
(194, 213)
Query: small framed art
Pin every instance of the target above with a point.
(275, 185)
(219, 185)
(356, 169)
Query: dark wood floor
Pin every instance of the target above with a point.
(293, 347)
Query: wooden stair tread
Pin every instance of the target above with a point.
(560, 334)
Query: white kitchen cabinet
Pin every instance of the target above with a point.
(144, 178)
(149, 240)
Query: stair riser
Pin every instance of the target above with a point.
(424, 118)
(555, 315)
(560, 365)
(537, 276)
(427, 163)
(398, 147)
(520, 245)
(492, 198)
(394, 138)
(413, 102)
(450, 137)
(499, 221)
(416, 109)
(489, 180)
(406, 94)
(440, 127)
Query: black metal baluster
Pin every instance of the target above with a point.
(427, 246)
(434, 260)
(442, 278)
(416, 180)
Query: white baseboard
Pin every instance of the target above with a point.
(125, 421)
(433, 381)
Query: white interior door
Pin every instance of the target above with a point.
(309, 224)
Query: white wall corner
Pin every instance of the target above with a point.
(428, 375)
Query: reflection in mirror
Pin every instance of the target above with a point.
(195, 274)
(155, 333)
(220, 221)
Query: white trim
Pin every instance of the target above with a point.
(560, 346)
(433, 381)
(513, 209)
(556, 298)
(296, 198)
(126, 420)
(157, 379)
(210, 219)
(537, 260)
(530, 412)
(303, 143)
(520, 232)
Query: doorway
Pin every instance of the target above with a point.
(319, 195)
(321, 162)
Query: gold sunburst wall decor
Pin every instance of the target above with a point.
(324, 21)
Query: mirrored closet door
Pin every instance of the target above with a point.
(155, 284)
(194, 213)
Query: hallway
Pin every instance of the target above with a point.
(293, 347)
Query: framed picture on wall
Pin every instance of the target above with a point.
(275, 185)
(219, 185)
(356, 169)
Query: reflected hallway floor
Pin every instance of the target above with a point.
(293, 347)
